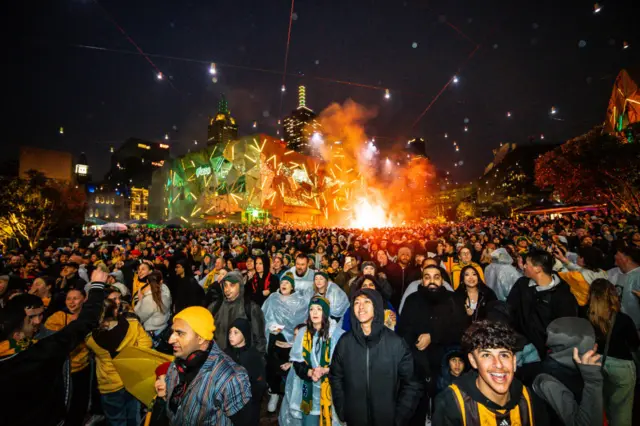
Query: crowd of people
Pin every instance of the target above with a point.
(528, 321)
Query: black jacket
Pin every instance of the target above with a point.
(447, 411)
(186, 292)
(532, 311)
(256, 285)
(33, 386)
(400, 279)
(372, 380)
(439, 314)
(485, 296)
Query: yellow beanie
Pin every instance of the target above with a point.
(199, 319)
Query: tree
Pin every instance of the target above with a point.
(594, 168)
(31, 208)
(465, 210)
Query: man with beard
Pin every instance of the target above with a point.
(235, 305)
(401, 274)
(489, 395)
(431, 322)
(303, 275)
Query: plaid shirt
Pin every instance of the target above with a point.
(220, 389)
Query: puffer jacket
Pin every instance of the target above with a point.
(372, 380)
(108, 378)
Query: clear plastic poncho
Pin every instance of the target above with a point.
(290, 413)
(338, 300)
(500, 274)
(287, 311)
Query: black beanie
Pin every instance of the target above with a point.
(245, 328)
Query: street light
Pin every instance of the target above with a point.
(455, 79)
(212, 69)
(387, 95)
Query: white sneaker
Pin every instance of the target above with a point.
(428, 421)
(272, 406)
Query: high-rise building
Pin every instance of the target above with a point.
(134, 161)
(222, 127)
(300, 126)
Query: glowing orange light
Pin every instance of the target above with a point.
(367, 215)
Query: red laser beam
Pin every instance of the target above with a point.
(129, 39)
(433, 101)
(243, 67)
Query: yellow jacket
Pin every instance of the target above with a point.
(457, 268)
(579, 286)
(80, 355)
(108, 379)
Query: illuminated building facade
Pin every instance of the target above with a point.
(254, 179)
(139, 203)
(106, 204)
(222, 127)
(300, 126)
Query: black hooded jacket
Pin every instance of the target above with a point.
(249, 358)
(372, 380)
(185, 291)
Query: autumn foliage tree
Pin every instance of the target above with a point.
(593, 168)
(31, 207)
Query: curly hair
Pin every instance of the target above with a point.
(488, 335)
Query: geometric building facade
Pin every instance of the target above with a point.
(253, 179)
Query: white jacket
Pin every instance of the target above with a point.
(151, 317)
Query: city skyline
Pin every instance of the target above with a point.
(528, 65)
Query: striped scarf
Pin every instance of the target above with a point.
(307, 385)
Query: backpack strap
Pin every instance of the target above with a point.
(458, 396)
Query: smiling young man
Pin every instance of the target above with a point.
(490, 394)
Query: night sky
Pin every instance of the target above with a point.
(532, 56)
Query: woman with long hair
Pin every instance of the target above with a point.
(308, 393)
(338, 299)
(474, 293)
(114, 334)
(79, 357)
(464, 259)
(154, 306)
(263, 282)
(617, 340)
(144, 269)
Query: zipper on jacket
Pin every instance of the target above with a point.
(369, 402)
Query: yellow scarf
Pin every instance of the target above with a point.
(325, 387)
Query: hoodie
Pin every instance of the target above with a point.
(372, 379)
(573, 391)
(500, 274)
(225, 312)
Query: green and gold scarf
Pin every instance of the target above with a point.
(307, 385)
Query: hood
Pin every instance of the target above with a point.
(244, 326)
(445, 363)
(378, 317)
(501, 256)
(564, 334)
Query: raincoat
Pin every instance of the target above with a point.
(287, 311)
(501, 275)
(290, 413)
(339, 302)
